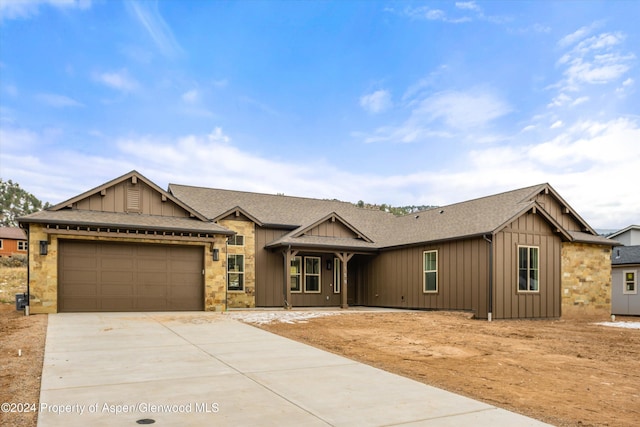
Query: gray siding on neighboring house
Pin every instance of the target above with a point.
(527, 230)
(621, 303)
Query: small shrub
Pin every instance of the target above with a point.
(14, 261)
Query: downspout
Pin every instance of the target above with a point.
(226, 274)
(284, 285)
(490, 305)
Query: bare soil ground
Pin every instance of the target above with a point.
(568, 372)
(21, 353)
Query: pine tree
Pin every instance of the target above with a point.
(16, 202)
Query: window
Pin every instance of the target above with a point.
(296, 273)
(22, 245)
(430, 264)
(630, 283)
(235, 272)
(337, 275)
(236, 240)
(528, 269)
(0, 243)
(312, 274)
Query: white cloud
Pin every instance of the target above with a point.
(24, 9)
(148, 15)
(595, 60)
(557, 124)
(579, 34)
(119, 80)
(442, 115)
(591, 163)
(191, 96)
(468, 5)
(376, 102)
(57, 101)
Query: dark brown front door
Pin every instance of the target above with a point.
(106, 276)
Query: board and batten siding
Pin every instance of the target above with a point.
(558, 212)
(269, 269)
(121, 197)
(331, 229)
(508, 303)
(395, 277)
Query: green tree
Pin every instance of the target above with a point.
(16, 202)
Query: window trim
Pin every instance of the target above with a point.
(625, 282)
(239, 273)
(1, 244)
(319, 275)
(298, 274)
(24, 245)
(337, 275)
(425, 271)
(234, 241)
(529, 269)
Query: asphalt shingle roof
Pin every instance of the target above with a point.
(622, 255)
(124, 220)
(15, 233)
(469, 218)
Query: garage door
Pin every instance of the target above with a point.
(103, 276)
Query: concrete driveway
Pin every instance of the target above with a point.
(203, 369)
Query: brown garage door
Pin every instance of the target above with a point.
(104, 276)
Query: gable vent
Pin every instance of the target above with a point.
(133, 199)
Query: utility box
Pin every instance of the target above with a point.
(21, 301)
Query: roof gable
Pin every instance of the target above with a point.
(130, 193)
(14, 233)
(332, 225)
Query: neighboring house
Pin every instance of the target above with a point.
(625, 263)
(629, 236)
(129, 245)
(13, 241)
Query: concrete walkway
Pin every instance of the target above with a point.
(204, 369)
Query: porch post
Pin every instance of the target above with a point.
(287, 254)
(344, 258)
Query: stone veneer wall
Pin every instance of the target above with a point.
(586, 278)
(43, 269)
(246, 298)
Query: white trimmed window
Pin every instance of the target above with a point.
(22, 245)
(337, 275)
(235, 272)
(296, 274)
(0, 243)
(312, 274)
(528, 269)
(630, 284)
(430, 268)
(236, 240)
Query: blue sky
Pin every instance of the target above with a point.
(396, 102)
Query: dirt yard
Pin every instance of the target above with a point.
(21, 353)
(568, 372)
(564, 372)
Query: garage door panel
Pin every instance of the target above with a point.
(99, 276)
(79, 290)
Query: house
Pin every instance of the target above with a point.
(13, 241)
(625, 262)
(629, 236)
(130, 245)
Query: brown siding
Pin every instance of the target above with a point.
(529, 230)
(269, 268)
(394, 278)
(331, 229)
(115, 200)
(557, 211)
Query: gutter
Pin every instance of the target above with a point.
(490, 304)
